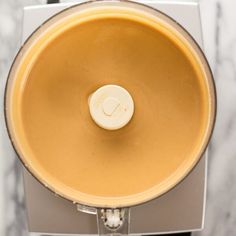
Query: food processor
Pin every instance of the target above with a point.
(177, 203)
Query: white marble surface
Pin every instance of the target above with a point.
(218, 20)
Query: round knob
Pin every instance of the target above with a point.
(111, 107)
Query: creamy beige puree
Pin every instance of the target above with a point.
(165, 132)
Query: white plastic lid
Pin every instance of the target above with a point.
(111, 107)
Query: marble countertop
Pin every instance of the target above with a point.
(218, 21)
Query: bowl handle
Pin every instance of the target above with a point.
(110, 221)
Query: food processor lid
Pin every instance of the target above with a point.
(112, 112)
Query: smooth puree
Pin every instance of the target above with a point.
(165, 132)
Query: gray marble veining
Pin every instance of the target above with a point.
(218, 21)
(221, 49)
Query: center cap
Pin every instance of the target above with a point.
(111, 107)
